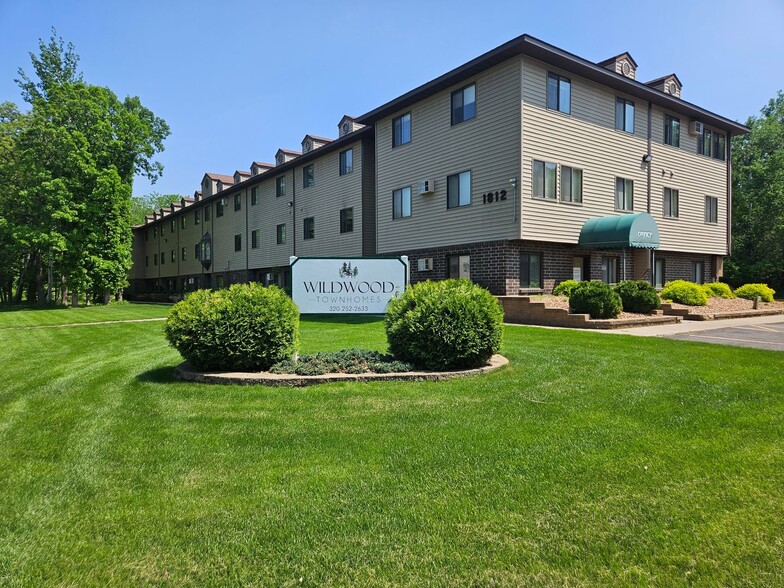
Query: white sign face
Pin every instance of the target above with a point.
(346, 285)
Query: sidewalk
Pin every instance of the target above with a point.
(685, 327)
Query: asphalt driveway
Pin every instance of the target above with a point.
(768, 335)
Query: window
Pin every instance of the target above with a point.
(155, 259)
(672, 131)
(146, 261)
(163, 258)
(146, 235)
(254, 196)
(281, 234)
(207, 210)
(670, 203)
(719, 146)
(531, 270)
(197, 251)
(458, 190)
(424, 264)
(219, 207)
(196, 217)
(182, 221)
(459, 266)
(559, 93)
(464, 104)
(698, 272)
(237, 202)
(704, 143)
(610, 270)
(624, 194)
(401, 130)
(711, 209)
(183, 254)
(307, 176)
(544, 179)
(280, 186)
(155, 231)
(237, 242)
(624, 115)
(254, 239)
(658, 273)
(347, 220)
(346, 161)
(571, 184)
(173, 226)
(173, 256)
(401, 202)
(309, 228)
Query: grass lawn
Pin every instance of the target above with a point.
(592, 459)
(13, 317)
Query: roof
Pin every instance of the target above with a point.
(661, 79)
(317, 138)
(242, 173)
(619, 231)
(614, 58)
(220, 178)
(262, 164)
(288, 151)
(550, 54)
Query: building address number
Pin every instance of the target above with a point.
(490, 197)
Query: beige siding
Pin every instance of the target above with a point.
(330, 193)
(488, 146)
(265, 216)
(224, 258)
(587, 139)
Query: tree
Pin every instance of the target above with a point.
(70, 170)
(148, 203)
(758, 200)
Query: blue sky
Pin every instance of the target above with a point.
(236, 79)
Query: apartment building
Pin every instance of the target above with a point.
(519, 169)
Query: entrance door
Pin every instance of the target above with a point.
(460, 266)
(580, 269)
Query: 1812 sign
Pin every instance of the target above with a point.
(490, 197)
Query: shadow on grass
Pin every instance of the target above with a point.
(5, 307)
(161, 375)
(342, 319)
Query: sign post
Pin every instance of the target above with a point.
(347, 285)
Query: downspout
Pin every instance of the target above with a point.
(294, 211)
(652, 257)
(729, 194)
(247, 241)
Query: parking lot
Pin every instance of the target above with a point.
(768, 335)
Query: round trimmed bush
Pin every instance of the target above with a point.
(245, 328)
(638, 296)
(450, 324)
(565, 288)
(684, 292)
(718, 290)
(596, 299)
(751, 291)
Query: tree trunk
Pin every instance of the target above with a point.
(107, 297)
(20, 284)
(75, 299)
(40, 282)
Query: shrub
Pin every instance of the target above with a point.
(638, 296)
(684, 292)
(596, 299)
(346, 361)
(751, 291)
(444, 325)
(565, 288)
(718, 290)
(245, 328)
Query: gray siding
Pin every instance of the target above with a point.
(488, 146)
(265, 216)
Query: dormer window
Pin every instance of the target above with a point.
(346, 127)
(280, 159)
(307, 145)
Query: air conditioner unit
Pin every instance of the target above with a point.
(696, 127)
(223, 202)
(426, 187)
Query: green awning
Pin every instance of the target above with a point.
(619, 231)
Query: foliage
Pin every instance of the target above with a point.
(67, 167)
(758, 200)
(149, 203)
(345, 361)
(718, 290)
(684, 292)
(638, 296)
(565, 288)
(596, 299)
(444, 325)
(751, 291)
(246, 328)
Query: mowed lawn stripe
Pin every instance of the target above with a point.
(591, 459)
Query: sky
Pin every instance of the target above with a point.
(236, 80)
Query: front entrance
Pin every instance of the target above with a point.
(581, 268)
